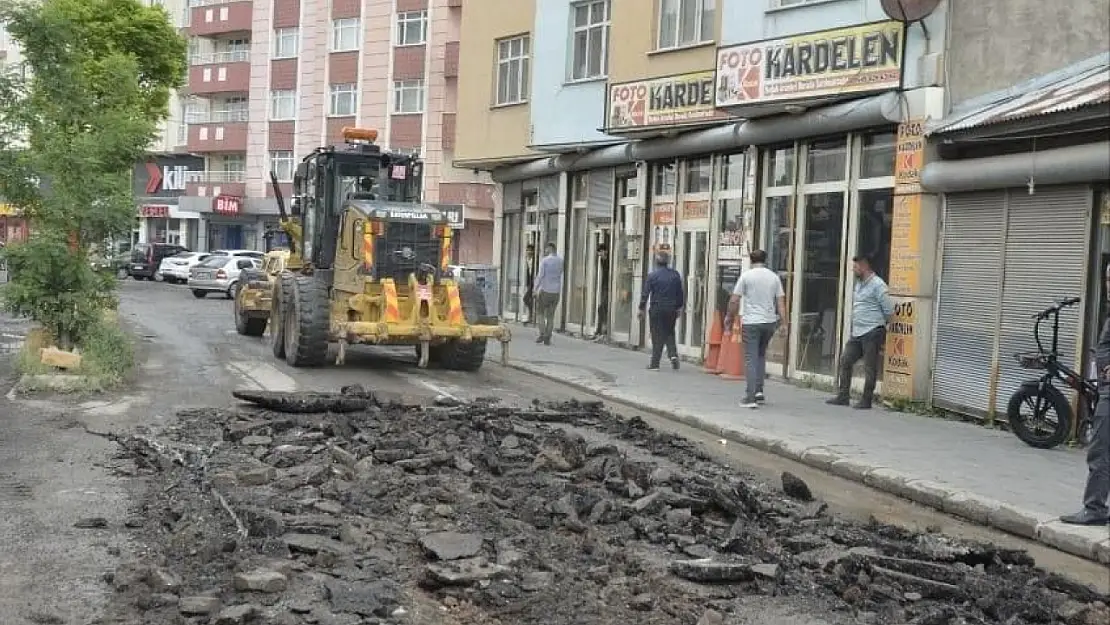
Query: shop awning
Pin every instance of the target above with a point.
(1078, 92)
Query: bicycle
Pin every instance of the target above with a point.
(1041, 395)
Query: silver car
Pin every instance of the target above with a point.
(220, 274)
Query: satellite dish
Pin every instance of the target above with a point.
(909, 10)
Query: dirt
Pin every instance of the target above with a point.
(483, 514)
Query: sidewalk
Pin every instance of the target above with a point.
(983, 475)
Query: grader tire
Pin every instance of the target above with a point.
(244, 323)
(459, 355)
(308, 323)
(279, 308)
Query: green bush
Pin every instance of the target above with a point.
(107, 354)
(56, 287)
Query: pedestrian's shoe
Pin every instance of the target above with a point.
(862, 405)
(749, 402)
(837, 401)
(547, 341)
(674, 363)
(759, 397)
(1085, 517)
(653, 367)
(539, 339)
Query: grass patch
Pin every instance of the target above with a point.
(107, 359)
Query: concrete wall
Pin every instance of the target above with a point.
(753, 20)
(486, 132)
(997, 43)
(553, 97)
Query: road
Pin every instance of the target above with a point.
(54, 473)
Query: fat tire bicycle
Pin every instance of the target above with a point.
(1042, 396)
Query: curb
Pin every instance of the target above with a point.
(1091, 543)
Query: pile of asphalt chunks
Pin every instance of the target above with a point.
(356, 507)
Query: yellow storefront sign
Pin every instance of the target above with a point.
(664, 101)
(905, 245)
(854, 60)
(901, 337)
(910, 155)
(8, 210)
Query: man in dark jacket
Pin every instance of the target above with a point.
(665, 290)
(1097, 492)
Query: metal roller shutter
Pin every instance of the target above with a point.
(601, 193)
(510, 197)
(1046, 258)
(968, 301)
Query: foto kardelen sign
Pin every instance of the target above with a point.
(854, 60)
(665, 101)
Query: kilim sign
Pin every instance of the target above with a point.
(853, 60)
(665, 101)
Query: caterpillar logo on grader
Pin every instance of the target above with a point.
(366, 263)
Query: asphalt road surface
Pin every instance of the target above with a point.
(56, 471)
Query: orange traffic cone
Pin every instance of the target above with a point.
(732, 353)
(713, 357)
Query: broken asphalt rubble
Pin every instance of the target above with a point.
(345, 509)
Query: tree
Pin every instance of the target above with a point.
(97, 81)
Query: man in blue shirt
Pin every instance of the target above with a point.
(872, 309)
(666, 292)
(549, 282)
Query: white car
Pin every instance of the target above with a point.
(220, 274)
(247, 253)
(175, 269)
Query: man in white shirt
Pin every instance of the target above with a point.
(760, 292)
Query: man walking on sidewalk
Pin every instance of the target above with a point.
(1097, 493)
(549, 282)
(759, 291)
(871, 311)
(667, 294)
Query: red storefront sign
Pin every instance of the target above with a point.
(154, 210)
(227, 204)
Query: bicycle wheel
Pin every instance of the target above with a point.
(1045, 428)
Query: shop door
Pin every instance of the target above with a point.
(597, 300)
(626, 253)
(692, 262)
(530, 254)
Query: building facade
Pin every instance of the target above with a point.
(271, 80)
(1022, 162)
(705, 128)
(13, 227)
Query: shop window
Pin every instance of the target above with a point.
(820, 276)
(780, 166)
(579, 187)
(666, 180)
(827, 160)
(877, 157)
(730, 172)
(699, 175)
(629, 187)
(876, 215)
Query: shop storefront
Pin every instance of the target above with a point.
(227, 227)
(1026, 222)
(158, 184)
(167, 223)
(530, 220)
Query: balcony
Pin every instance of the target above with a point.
(220, 72)
(209, 134)
(208, 18)
(451, 60)
(213, 183)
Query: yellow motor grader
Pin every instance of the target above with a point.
(368, 264)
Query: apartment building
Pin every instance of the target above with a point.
(12, 225)
(705, 128)
(271, 80)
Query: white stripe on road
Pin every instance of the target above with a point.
(436, 388)
(263, 376)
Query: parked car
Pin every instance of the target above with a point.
(146, 258)
(175, 269)
(220, 274)
(247, 253)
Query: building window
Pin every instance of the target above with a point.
(699, 175)
(344, 99)
(344, 34)
(282, 164)
(234, 164)
(285, 43)
(685, 22)
(590, 45)
(408, 96)
(412, 28)
(512, 70)
(283, 105)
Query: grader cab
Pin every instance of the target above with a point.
(373, 265)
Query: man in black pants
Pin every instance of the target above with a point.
(665, 290)
(602, 329)
(871, 311)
